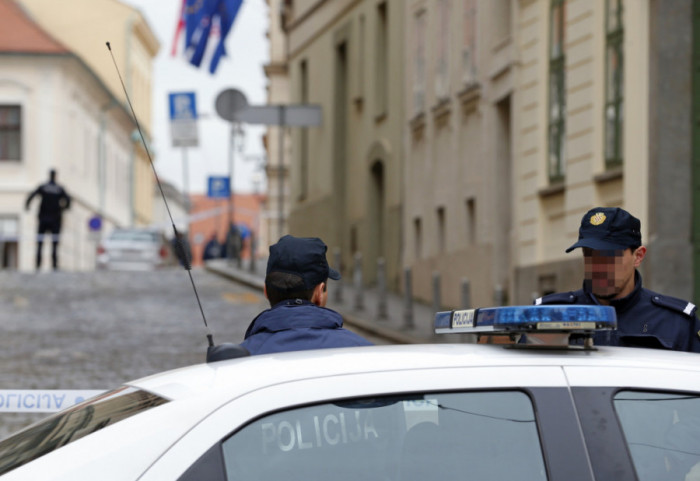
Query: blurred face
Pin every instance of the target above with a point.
(610, 274)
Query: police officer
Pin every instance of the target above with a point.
(295, 285)
(611, 241)
(54, 200)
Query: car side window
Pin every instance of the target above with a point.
(662, 431)
(490, 435)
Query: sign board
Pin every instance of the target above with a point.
(218, 187)
(183, 119)
(306, 115)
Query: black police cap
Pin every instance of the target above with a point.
(301, 256)
(608, 228)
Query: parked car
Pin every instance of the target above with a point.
(392, 413)
(134, 249)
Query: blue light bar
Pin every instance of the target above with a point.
(524, 319)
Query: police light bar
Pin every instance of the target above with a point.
(527, 319)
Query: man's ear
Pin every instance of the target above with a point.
(318, 297)
(265, 291)
(639, 255)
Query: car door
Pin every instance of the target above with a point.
(639, 423)
(507, 422)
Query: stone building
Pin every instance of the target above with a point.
(466, 138)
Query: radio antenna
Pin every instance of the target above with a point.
(182, 253)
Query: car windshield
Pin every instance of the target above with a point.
(72, 424)
(134, 236)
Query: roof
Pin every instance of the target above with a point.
(228, 379)
(20, 34)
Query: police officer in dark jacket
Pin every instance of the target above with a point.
(295, 285)
(54, 200)
(612, 247)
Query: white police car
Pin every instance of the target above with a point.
(391, 413)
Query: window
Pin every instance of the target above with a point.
(382, 58)
(469, 42)
(614, 84)
(418, 237)
(420, 22)
(442, 63)
(10, 132)
(441, 230)
(557, 92)
(662, 431)
(490, 435)
(471, 221)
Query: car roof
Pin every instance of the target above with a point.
(235, 377)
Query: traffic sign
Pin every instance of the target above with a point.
(183, 119)
(229, 102)
(95, 223)
(218, 187)
(304, 115)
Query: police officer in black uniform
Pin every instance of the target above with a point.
(54, 200)
(611, 241)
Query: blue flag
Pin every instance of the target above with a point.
(226, 11)
(201, 18)
(198, 23)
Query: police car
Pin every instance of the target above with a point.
(393, 413)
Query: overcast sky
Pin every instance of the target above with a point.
(242, 69)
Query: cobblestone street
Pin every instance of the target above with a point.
(96, 330)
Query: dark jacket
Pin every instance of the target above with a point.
(297, 325)
(54, 199)
(644, 319)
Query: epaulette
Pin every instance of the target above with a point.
(675, 304)
(556, 298)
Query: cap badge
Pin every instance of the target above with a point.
(597, 219)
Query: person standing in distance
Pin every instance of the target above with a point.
(295, 285)
(54, 200)
(611, 241)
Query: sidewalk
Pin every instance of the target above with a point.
(341, 298)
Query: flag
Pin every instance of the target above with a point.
(206, 23)
(178, 28)
(198, 23)
(226, 12)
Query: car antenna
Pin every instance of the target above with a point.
(182, 253)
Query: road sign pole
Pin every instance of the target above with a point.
(185, 187)
(231, 153)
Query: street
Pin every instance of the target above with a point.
(95, 330)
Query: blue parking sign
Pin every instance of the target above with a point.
(218, 187)
(183, 119)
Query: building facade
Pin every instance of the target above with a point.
(345, 176)
(463, 140)
(56, 112)
(84, 26)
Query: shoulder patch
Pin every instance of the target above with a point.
(557, 298)
(674, 304)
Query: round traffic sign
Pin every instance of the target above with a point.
(229, 102)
